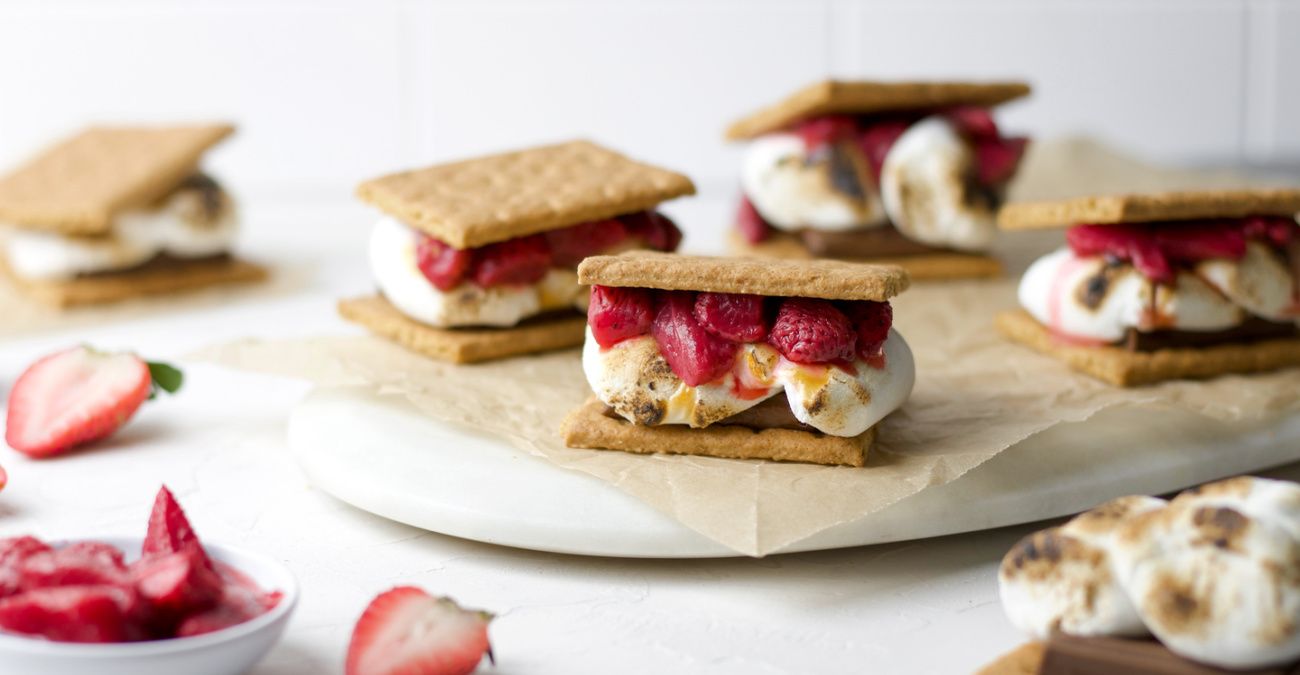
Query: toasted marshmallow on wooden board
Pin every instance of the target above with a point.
(1063, 579)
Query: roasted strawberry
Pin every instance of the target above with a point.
(877, 138)
(733, 316)
(809, 330)
(750, 223)
(658, 231)
(75, 565)
(570, 245)
(14, 552)
(996, 159)
(169, 530)
(520, 261)
(72, 614)
(440, 263)
(871, 321)
(237, 605)
(972, 121)
(1272, 230)
(80, 395)
(695, 355)
(616, 314)
(822, 131)
(1193, 242)
(176, 585)
(406, 631)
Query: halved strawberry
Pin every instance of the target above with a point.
(440, 263)
(169, 530)
(694, 354)
(820, 131)
(750, 223)
(732, 316)
(80, 395)
(72, 614)
(877, 138)
(658, 231)
(616, 314)
(996, 159)
(524, 260)
(177, 584)
(571, 244)
(808, 330)
(871, 321)
(406, 631)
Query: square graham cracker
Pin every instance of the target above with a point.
(866, 96)
(828, 279)
(1137, 208)
(163, 277)
(1125, 368)
(78, 185)
(489, 199)
(588, 426)
(1023, 660)
(463, 345)
(937, 266)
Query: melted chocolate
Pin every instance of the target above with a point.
(1253, 330)
(1069, 655)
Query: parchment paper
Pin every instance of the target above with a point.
(975, 396)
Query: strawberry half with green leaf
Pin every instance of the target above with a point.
(80, 395)
(406, 631)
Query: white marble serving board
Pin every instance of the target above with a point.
(381, 455)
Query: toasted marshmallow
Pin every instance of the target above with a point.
(1063, 579)
(1216, 575)
(633, 379)
(793, 190)
(393, 264)
(927, 191)
(1260, 282)
(185, 225)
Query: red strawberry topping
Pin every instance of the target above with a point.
(570, 245)
(732, 316)
(169, 529)
(616, 314)
(871, 321)
(694, 354)
(658, 231)
(996, 159)
(876, 140)
(76, 565)
(1274, 230)
(821, 131)
(406, 631)
(71, 613)
(512, 262)
(973, 121)
(808, 330)
(443, 265)
(177, 584)
(1156, 249)
(750, 223)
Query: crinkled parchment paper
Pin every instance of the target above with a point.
(975, 396)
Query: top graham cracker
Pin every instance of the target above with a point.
(862, 97)
(489, 199)
(828, 279)
(78, 185)
(1140, 208)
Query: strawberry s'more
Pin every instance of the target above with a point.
(1162, 286)
(476, 260)
(907, 173)
(740, 358)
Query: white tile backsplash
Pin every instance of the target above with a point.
(330, 92)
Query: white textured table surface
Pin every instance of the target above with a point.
(921, 607)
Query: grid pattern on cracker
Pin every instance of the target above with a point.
(162, 278)
(589, 427)
(863, 97)
(829, 279)
(1154, 206)
(919, 267)
(463, 345)
(1125, 368)
(489, 199)
(78, 185)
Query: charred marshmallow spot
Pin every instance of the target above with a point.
(793, 189)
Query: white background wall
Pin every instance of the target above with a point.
(327, 93)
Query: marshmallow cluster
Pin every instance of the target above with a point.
(1214, 574)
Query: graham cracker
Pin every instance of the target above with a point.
(488, 199)
(589, 427)
(78, 185)
(1023, 660)
(1125, 368)
(156, 278)
(869, 96)
(829, 279)
(463, 345)
(1136, 208)
(920, 267)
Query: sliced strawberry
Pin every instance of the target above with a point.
(822, 131)
(513, 262)
(177, 584)
(750, 223)
(973, 121)
(72, 614)
(570, 245)
(695, 355)
(241, 600)
(658, 231)
(808, 330)
(406, 631)
(76, 565)
(733, 316)
(996, 159)
(440, 263)
(871, 321)
(616, 314)
(877, 138)
(169, 530)
(74, 397)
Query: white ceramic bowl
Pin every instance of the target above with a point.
(224, 652)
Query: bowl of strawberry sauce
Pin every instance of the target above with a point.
(125, 605)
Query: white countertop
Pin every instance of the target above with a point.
(920, 607)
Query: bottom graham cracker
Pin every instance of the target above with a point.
(1023, 660)
(464, 345)
(589, 426)
(161, 277)
(1125, 368)
(921, 267)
